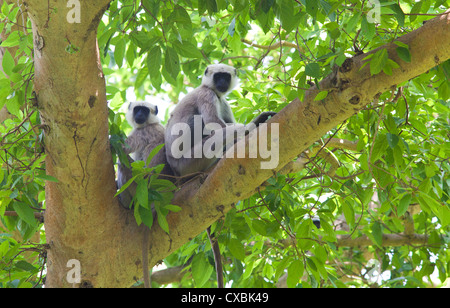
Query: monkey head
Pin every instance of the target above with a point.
(141, 114)
(220, 78)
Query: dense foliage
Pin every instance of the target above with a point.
(391, 178)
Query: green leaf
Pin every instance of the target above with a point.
(312, 7)
(141, 76)
(368, 29)
(211, 6)
(349, 213)
(25, 212)
(260, 227)
(142, 192)
(231, 27)
(237, 249)
(404, 54)
(201, 269)
(403, 204)
(5, 90)
(289, 21)
(187, 49)
(379, 147)
(392, 140)
(398, 13)
(266, 5)
(414, 10)
(378, 61)
(47, 178)
(8, 62)
(440, 210)
(153, 153)
(321, 95)
(313, 70)
(377, 233)
(12, 40)
(13, 105)
(23, 265)
(303, 233)
(146, 216)
(154, 60)
(295, 272)
(173, 208)
(119, 52)
(171, 64)
(183, 19)
(162, 221)
(137, 214)
(125, 186)
(152, 5)
(443, 213)
(419, 126)
(131, 54)
(390, 64)
(321, 253)
(352, 22)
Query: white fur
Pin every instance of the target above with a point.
(152, 117)
(220, 68)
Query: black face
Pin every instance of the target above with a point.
(222, 81)
(140, 114)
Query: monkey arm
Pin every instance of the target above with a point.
(263, 117)
(207, 106)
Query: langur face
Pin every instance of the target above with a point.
(140, 114)
(222, 81)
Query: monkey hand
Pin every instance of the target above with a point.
(263, 117)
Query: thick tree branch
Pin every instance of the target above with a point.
(389, 240)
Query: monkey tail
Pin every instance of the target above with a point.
(145, 247)
(217, 258)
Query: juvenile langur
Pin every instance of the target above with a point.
(205, 105)
(147, 134)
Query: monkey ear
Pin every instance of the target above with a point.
(206, 71)
(129, 105)
(156, 110)
(235, 72)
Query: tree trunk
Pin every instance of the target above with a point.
(82, 216)
(83, 221)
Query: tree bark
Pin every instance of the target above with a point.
(82, 217)
(84, 221)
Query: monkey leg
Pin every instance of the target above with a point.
(209, 150)
(124, 174)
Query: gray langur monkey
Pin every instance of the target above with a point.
(204, 106)
(208, 102)
(147, 134)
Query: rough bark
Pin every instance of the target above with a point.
(80, 209)
(83, 220)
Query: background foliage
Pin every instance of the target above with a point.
(396, 173)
